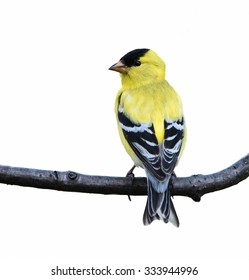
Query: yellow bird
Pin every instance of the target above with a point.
(151, 127)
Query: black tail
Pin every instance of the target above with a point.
(159, 207)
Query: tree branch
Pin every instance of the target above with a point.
(194, 186)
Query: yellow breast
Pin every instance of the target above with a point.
(151, 103)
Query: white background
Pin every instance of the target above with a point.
(56, 112)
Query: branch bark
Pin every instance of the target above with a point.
(194, 186)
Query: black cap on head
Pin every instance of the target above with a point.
(131, 58)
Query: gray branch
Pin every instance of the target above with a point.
(194, 186)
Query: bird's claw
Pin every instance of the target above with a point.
(131, 175)
(173, 175)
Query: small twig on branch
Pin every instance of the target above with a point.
(194, 186)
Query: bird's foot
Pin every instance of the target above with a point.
(172, 177)
(131, 175)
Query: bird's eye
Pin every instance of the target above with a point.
(137, 63)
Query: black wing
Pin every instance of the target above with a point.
(142, 139)
(160, 161)
(173, 137)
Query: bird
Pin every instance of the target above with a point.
(151, 126)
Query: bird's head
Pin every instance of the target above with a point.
(139, 67)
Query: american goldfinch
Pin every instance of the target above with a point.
(151, 127)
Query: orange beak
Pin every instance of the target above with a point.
(119, 67)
